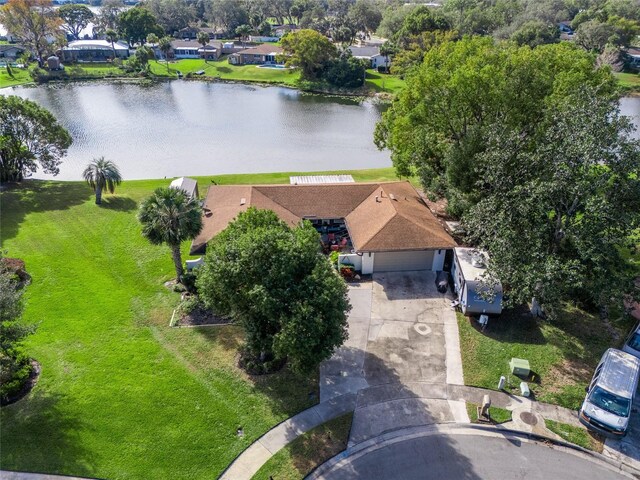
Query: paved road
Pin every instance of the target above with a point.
(465, 457)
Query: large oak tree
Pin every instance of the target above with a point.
(274, 280)
(30, 138)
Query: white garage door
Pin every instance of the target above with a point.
(401, 261)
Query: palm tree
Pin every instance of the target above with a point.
(165, 47)
(112, 36)
(102, 174)
(203, 39)
(243, 31)
(169, 216)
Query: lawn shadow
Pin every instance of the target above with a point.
(40, 436)
(224, 69)
(31, 196)
(122, 204)
(515, 325)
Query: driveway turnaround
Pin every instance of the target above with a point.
(462, 454)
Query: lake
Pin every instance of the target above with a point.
(178, 128)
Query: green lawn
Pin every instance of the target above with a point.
(121, 394)
(629, 80)
(382, 82)
(576, 435)
(498, 415)
(308, 451)
(224, 70)
(20, 77)
(562, 354)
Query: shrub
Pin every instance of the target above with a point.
(14, 373)
(333, 258)
(189, 281)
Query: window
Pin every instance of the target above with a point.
(610, 402)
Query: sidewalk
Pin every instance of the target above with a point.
(259, 452)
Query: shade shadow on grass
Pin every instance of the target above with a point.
(515, 325)
(30, 196)
(122, 204)
(46, 431)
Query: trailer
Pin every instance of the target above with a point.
(472, 295)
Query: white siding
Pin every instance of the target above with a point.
(438, 260)
(403, 261)
(367, 263)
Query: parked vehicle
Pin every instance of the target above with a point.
(632, 343)
(607, 406)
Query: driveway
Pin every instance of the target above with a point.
(627, 449)
(403, 347)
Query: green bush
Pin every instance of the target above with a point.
(14, 373)
(333, 258)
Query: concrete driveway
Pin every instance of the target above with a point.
(627, 449)
(403, 347)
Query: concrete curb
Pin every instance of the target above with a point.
(468, 429)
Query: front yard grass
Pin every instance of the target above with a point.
(576, 435)
(383, 82)
(562, 354)
(497, 414)
(122, 395)
(308, 451)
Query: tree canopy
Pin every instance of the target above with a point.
(30, 138)
(273, 279)
(136, 23)
(310, 51)
(34, 22)
(527, 147)
(75, 18)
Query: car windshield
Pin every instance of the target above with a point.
(634, 341)
(610, 402)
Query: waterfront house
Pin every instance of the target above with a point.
(370, 54)
(260, 55)
(11, 52)
(193, 49)
(387, 226)
(94, 51)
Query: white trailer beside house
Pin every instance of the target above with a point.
(474, 296)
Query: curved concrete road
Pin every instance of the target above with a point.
(463, 455)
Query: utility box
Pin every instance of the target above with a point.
(519, 367)
(524, 389)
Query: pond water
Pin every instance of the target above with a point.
(180, 128)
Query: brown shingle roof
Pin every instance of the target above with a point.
(398, 220)
(263, 49)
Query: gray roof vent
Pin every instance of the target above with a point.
(477, 259)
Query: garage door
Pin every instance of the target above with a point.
(401, 261)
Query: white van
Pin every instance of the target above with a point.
(607, 406)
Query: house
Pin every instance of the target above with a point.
(280, 30)
(191, 33)
(11, 52)
(193, 49)
(632, 58)
(371, 54)
(474, 296)
(187, 185)
(93, 51)
(260, 55)
(214, 33)
(389, 226)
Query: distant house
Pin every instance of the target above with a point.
(187, 185)
(260, 55)
(93, 51)
(632, 58)
(11, 52)
(371, 54)
(193, 49)
(280, 30)
(191, 33)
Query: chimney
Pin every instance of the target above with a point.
(377, 199)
